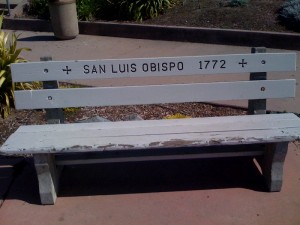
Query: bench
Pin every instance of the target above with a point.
(262, 136)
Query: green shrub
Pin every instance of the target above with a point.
(289, 14)
(87, 9)
(137, 10)
(9, 54)
(39, 9)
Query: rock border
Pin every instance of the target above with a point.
(290, 41)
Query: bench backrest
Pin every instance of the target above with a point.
(154, 94)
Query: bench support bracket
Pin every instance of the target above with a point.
(272, 167)
(48, 177)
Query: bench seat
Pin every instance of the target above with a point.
(151, 134)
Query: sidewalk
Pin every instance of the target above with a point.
(222, 191)
(169, 193)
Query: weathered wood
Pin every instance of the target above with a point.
(271, 121)
(258, 106)
(130, 135)
(153, 94)
(273, 165)
(172, 66)
(48, 177)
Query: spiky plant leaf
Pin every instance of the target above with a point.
(9, 54)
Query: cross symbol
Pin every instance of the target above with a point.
(243, 63)
(67, 70)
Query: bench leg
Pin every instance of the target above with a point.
(48, 177)
(272, 167)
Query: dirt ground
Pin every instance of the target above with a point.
(260, 15)
(257, 15)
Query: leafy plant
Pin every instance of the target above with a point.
(39, 9)
(289, 14)
(87, 9)
(139, 10)
(9, 54)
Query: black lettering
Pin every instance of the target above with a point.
(223, 64)
(180, 66)
(94, 70)
(215, 63)
(207, 63)
(145, 67)
(153, 67)
(200, 66)
(86, 69)
(112, 69)
(172, 65)
(133, 67)
(164, 66)
(102, 69)
(122, 68)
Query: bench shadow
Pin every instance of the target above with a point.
(143, 177)
(24, 185)
(38, 38)
(160, 176)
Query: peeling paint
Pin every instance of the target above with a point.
(75, 146)
(154, 144)
(105, 147)
(178, 143)
(215, 141)
(126, 146)
(255, 139)
(238, 139)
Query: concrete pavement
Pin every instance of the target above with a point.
(222, 191)
(208, 192)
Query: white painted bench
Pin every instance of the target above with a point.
(264, 136)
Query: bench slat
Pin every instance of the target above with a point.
(130, 135)
(154, 94)
(182, 65)
(86, 144)
(269, 121)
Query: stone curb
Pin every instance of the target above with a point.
(289, 41)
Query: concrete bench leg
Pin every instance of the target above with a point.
(272, 167)
(48, 176)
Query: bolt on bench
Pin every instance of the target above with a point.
(263, 136)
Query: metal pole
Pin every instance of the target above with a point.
(8, 7)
